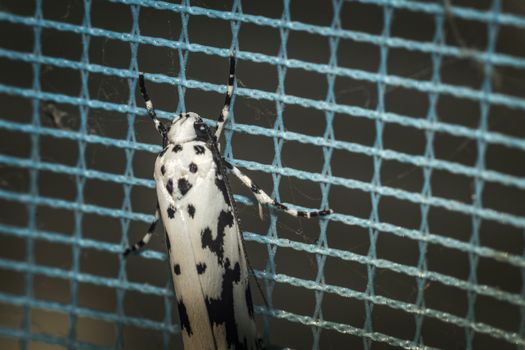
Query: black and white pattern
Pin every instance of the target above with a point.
(204, 240)
(135, 247)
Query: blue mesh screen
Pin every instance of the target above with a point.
(405, 117)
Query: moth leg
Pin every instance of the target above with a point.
(263, 198)
(149, 107)
(229, 92)
(140, 244)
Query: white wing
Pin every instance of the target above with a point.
(206, 253)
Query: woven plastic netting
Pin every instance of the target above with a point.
(405, 117)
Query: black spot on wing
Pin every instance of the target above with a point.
(217, 245)
(176, 269)
(225, 219)
(184, 186)
(177, 148)
(201, 268)
(169, 186)
(191, 210)
(199, 149)
(162, 170)
(184, 319)
(168, 244)
(221, 310)
(193, 167)
(221, 185)
(171, 212)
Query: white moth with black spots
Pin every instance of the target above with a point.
(203, 237)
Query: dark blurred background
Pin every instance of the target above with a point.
(351, 202)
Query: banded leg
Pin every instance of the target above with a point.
(149, 106)
(140, 244)
(223, 117)
(263, 198)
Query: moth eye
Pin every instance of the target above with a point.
(199, 125)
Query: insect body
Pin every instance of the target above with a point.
(207, 256)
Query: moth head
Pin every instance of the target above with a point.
(188, 127)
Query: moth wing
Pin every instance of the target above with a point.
(207, 257)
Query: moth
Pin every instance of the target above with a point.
(205, 244)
